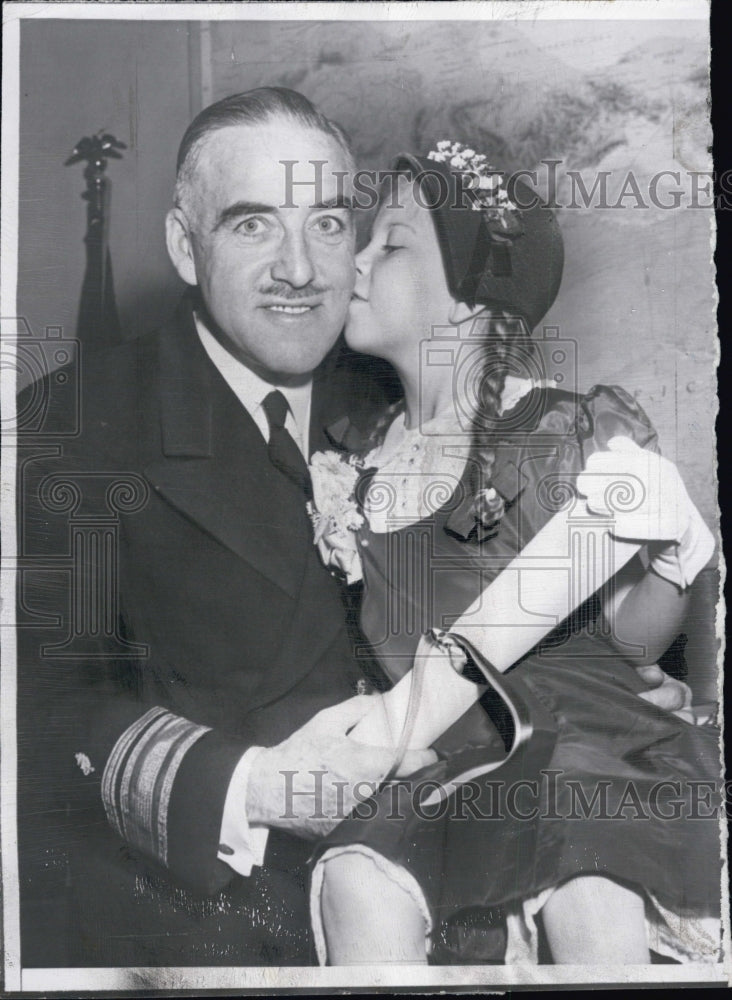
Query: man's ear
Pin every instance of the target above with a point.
(461, 311)
(178, 241)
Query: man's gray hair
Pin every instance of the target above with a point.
(253, 107)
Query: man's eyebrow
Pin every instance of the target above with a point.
(240, 208)
(339, 201)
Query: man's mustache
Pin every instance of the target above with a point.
(282, 290)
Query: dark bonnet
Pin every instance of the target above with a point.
(520, 274)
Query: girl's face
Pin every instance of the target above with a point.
(401, 291)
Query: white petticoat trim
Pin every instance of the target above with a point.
(395, 873)
(685, 939)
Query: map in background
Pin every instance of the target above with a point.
(638, 294)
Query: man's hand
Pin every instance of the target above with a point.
(667, 693)
(311, 781)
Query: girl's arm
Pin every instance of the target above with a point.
(643, 612)
(577, 553)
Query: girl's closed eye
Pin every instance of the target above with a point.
(397, 237)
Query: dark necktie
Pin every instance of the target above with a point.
(284, 454)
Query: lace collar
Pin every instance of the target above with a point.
(399, 437)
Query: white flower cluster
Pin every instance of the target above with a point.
(334, 481)
(458, 156)
(487, 182)
(334, 513)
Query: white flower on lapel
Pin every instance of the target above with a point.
(334, 512)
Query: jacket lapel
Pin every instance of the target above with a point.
(316, 616)
(326, 397)
(214, 466)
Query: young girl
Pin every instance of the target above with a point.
(456, 274)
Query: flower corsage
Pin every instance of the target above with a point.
(334, 512)
(488, 509)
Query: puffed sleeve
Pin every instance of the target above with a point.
(531, 466)
(548, 459)
(608, 411)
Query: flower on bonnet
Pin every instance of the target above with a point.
(485, 181)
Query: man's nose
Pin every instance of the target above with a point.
(294, 262)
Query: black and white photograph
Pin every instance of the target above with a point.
(362, 610)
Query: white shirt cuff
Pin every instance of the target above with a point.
(241, 846)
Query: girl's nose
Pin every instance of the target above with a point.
(363, 269)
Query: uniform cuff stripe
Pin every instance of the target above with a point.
(138, 779)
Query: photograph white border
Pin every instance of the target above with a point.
(93, 980)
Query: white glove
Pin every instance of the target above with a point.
(647, 499)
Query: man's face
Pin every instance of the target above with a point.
(273, 260)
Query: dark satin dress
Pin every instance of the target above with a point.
(636, 760)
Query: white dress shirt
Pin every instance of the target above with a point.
(242, 846)
(251, 389)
